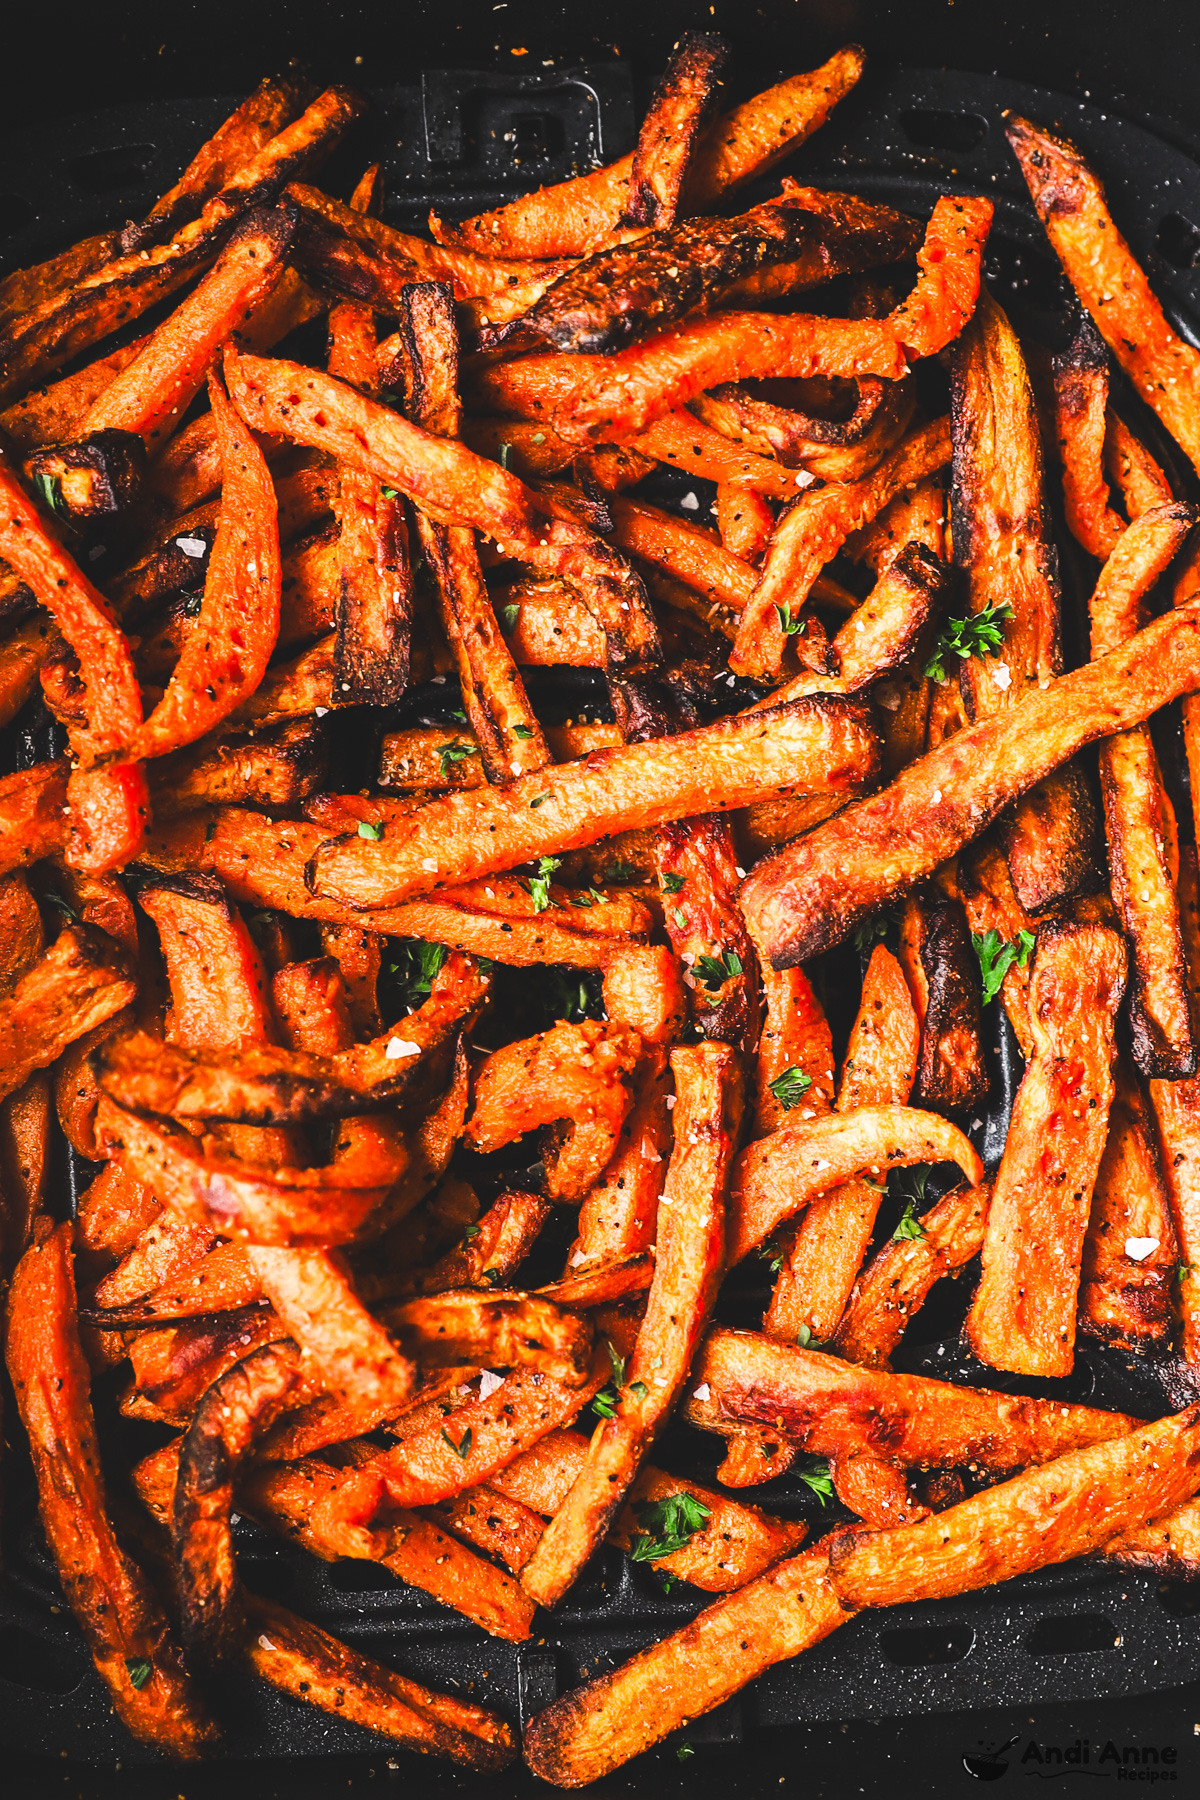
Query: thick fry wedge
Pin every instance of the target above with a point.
(302, 1660)
(151, 394)
(114, 1603)
(277, 769)
(1130, 1254)
(777, 1177)
(1177, 1107)
(834, 1408)
(697, 873)
(882, 634)
(810, 895)
(1023, 1314)
(502, 1330)
(898, 1279)
(1080, 411)
(567, 220)
(812, 743)
(688, 1265)
(795, 1035)
(1101, 267)
(811, 532)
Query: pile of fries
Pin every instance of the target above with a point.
(339, 468)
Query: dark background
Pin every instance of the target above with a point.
(1142, 57)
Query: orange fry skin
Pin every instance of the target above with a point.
(688, 1265)
(948, 286)
(1112, 286)
(1023, 1314)
(114, 1603)
(777, 1177)
(1126, 1299)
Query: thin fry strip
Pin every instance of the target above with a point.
(1177, 1108)
(1080, 412)
(809, 896)
(81, 981)
(1129, 1255)
(122, 1620)
(896, 1282)
(1101, 267)
(679, 110)
(688, 1264)
(948, 284)
(811, 743)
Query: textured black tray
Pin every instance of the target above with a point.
(457, 141)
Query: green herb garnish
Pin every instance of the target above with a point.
(790, 1087)
(910, 1226)
(522, 731)
(980, 635)
(416, 966)
(138, 1670)
(539, 884)
(789, 626)
(996, 958)
(455, 752)
(672, 883)
(817, 1477)
(715, 971)
(510, 614)
(463, 1449)
(372, 832)
(667, 1525)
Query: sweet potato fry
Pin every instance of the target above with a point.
(882, 634)
(230, 644)
(603, 1724)
(1023, 1314)
(568, 219)
(167, 1251)
(688, 1265)
(948, 285)
(777, 1177)
(1129, 1253)
(506, 728)
(745, 522)
(1177, 1108)
(300, 1659)
(576, 1076)
(82, 980)
(942, 972)
(1080, 411)
(1064, 1508)
(615, 397)
(688, 552)
(174, 1368)
(810, 895)
(1130, 465)
(809, 744)
(25, 1151)
(867, 419)
(1101, 267)
(49, 334)
(898, 1279)
(795, 1036)
(824, 1252)
(1167, 1546)
(150, 395)
(283, 398)
(278, 769)
(236, 1409)
(617, 1217)
(812, 531)
(108, 804)
(680, 108)
(440, 1453)
(834, 1408)
(114, 1211)
(22, 654)
(502, 1330)
(698, 876)
(114, 1603)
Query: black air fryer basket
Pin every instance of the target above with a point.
(460, 122)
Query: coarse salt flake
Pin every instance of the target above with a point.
(488, 1383)
(1002, 675)
(703, 1392)
(577, 1258)
(397, 1047)
(191, 546)
(429, 863)
(1140, 1248)
(690, 503)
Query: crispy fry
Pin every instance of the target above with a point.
(898, 1279)
(1080, 410)
(810, 895)
(567, 219)
(155, 389)
(942, 973)
(49, 334)
(300, 1659)
(1168, 1546)
(1100, 266)
(1129, 1253)
(617, 1218)
(772, 418)
(78, 983)
(948, 285)
(114, 1211)
(680, 107)
(777, 1177)
(687, 1270)
(503, 1330)
(698, 875)
(1023, 1314)
(111, 1598)
(810, 743)
(25, 1149)
(812, 531)
(688, 552)
(1128, 462)
(22, 654)
(235, 1410)
(745, 521)
(795, 1035)
(882, 634)
(575, 1075)
(824, 1252)
(278, 768)
(1177, 1108)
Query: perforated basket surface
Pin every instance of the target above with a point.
(457, 140)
